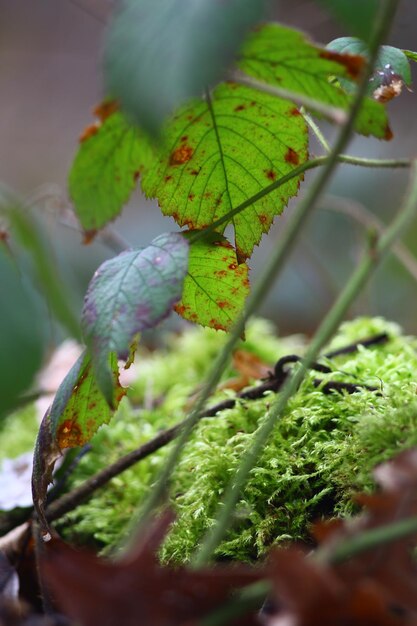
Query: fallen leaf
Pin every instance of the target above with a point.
(137, 589)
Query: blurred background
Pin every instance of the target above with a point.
(50, 79)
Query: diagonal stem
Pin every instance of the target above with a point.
(215, 535)
(324, 333)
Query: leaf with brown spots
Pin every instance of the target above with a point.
(215, 287)
(284, 57)
(77, 412)
(104, 173)
(223, 151)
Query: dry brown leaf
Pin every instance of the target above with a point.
(137, 590)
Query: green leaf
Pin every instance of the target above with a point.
(411, 55)
(222, 151)
(357, 15)
(215, 287)
(388, 55)
(21, 335)
(105, 170)
(160, 53)
(283, 57)
(79, 407)
(78, 410)
(129, 293)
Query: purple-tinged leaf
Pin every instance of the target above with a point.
(128, 294)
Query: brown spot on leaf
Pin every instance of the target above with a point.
(388, 133)
(240, 107)
(291, 156)
(222, 304)
(191, 196)
(221, 273)
(270, 174)
(232, 266)
(295, 111)
(352, 62)
(216, 324)
(168, 178)
(88, 132)
(223, 243)
(181, 155)
(263, 218)
(194, 172)
(69, 435)
(180, 309)
(89, 236)
(184, 138)
(136, 175)
(103, 110)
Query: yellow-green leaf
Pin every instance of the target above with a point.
(105, 170)
(220, 152)
(283, 57)
(215, 287)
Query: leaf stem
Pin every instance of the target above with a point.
(304, 167)
(225, 512)
(316, 130)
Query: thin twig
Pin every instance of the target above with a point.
(298, 171)
(63, 213)
(74, 498)
(316, 130)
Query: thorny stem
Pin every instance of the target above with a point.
(225, 512)
(325, 331)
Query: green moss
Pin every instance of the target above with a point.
(322, 450)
